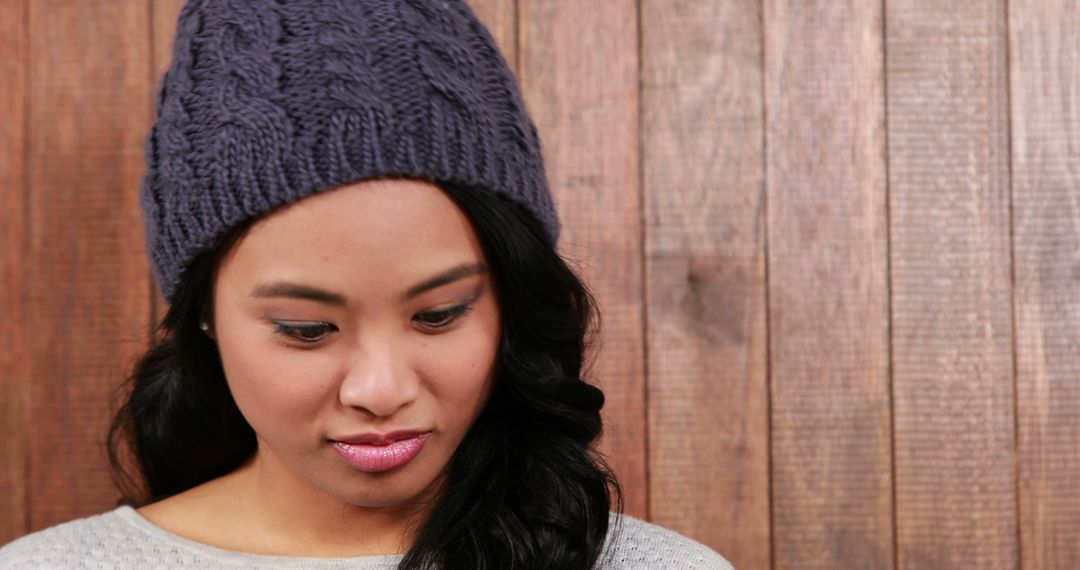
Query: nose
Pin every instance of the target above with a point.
(379, 380)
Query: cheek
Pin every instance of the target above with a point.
(270, 382)
(460, 371)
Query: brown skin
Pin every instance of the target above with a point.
(381, 361)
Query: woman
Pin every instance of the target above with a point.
(373, 353)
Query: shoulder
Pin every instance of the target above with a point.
(634, 544)
(82, 543)
(122, 538)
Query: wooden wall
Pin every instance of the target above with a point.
(836, 247)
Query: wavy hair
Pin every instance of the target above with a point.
(526, 487)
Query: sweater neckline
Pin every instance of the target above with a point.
(132, 517)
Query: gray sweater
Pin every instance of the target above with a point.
(122, 538)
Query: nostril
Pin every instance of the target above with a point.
(381, 394)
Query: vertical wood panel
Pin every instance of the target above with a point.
(579, 71)
(828, 285)
(14, 363)
(88, 282)
(949, 204)
(1045, 58)
(705, 275)
(165, 14)
(72, 263)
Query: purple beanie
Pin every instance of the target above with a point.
(267, 102)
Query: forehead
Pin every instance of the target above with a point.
(371, 232)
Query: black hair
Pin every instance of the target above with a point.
(525, 489)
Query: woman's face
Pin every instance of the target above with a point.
(358, 329)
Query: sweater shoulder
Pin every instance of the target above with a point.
(123, 539)
(109, 540)
(634, 544)
(81, 543)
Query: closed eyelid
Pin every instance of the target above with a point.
(289, 329)
(448, 316)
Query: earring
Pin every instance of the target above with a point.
(205, 326)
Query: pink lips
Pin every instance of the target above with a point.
(373, 453)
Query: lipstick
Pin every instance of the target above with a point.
(374, 453)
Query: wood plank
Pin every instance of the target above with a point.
(705, 275)
(14, 361)
(165, 14)
(579, 70)
(1045, 56)
(88, 277)
(828, 285)
(950, 256)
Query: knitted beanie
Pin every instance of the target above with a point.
(269, 101)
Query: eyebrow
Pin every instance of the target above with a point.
(307, 292)
(298, 291)
(457, 273)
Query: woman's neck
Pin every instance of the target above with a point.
(264, 508)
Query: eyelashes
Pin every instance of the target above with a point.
(315, 332)
(309, 333)
(442, 319)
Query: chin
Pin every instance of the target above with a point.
(379, 495)
(380, 490)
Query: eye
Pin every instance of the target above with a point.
(309, 333)
(444, 318)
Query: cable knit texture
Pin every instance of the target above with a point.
(270, 101)
(124, 539)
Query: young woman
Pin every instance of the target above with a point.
(373, 354)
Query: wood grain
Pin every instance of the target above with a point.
(952, 326)
(14, 361)
(703, 168)
(1045, 59)
(164, 16)
(88, 275)
(759, 212)
(828, 285)
(579, 71)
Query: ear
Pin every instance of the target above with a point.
(207, 329)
